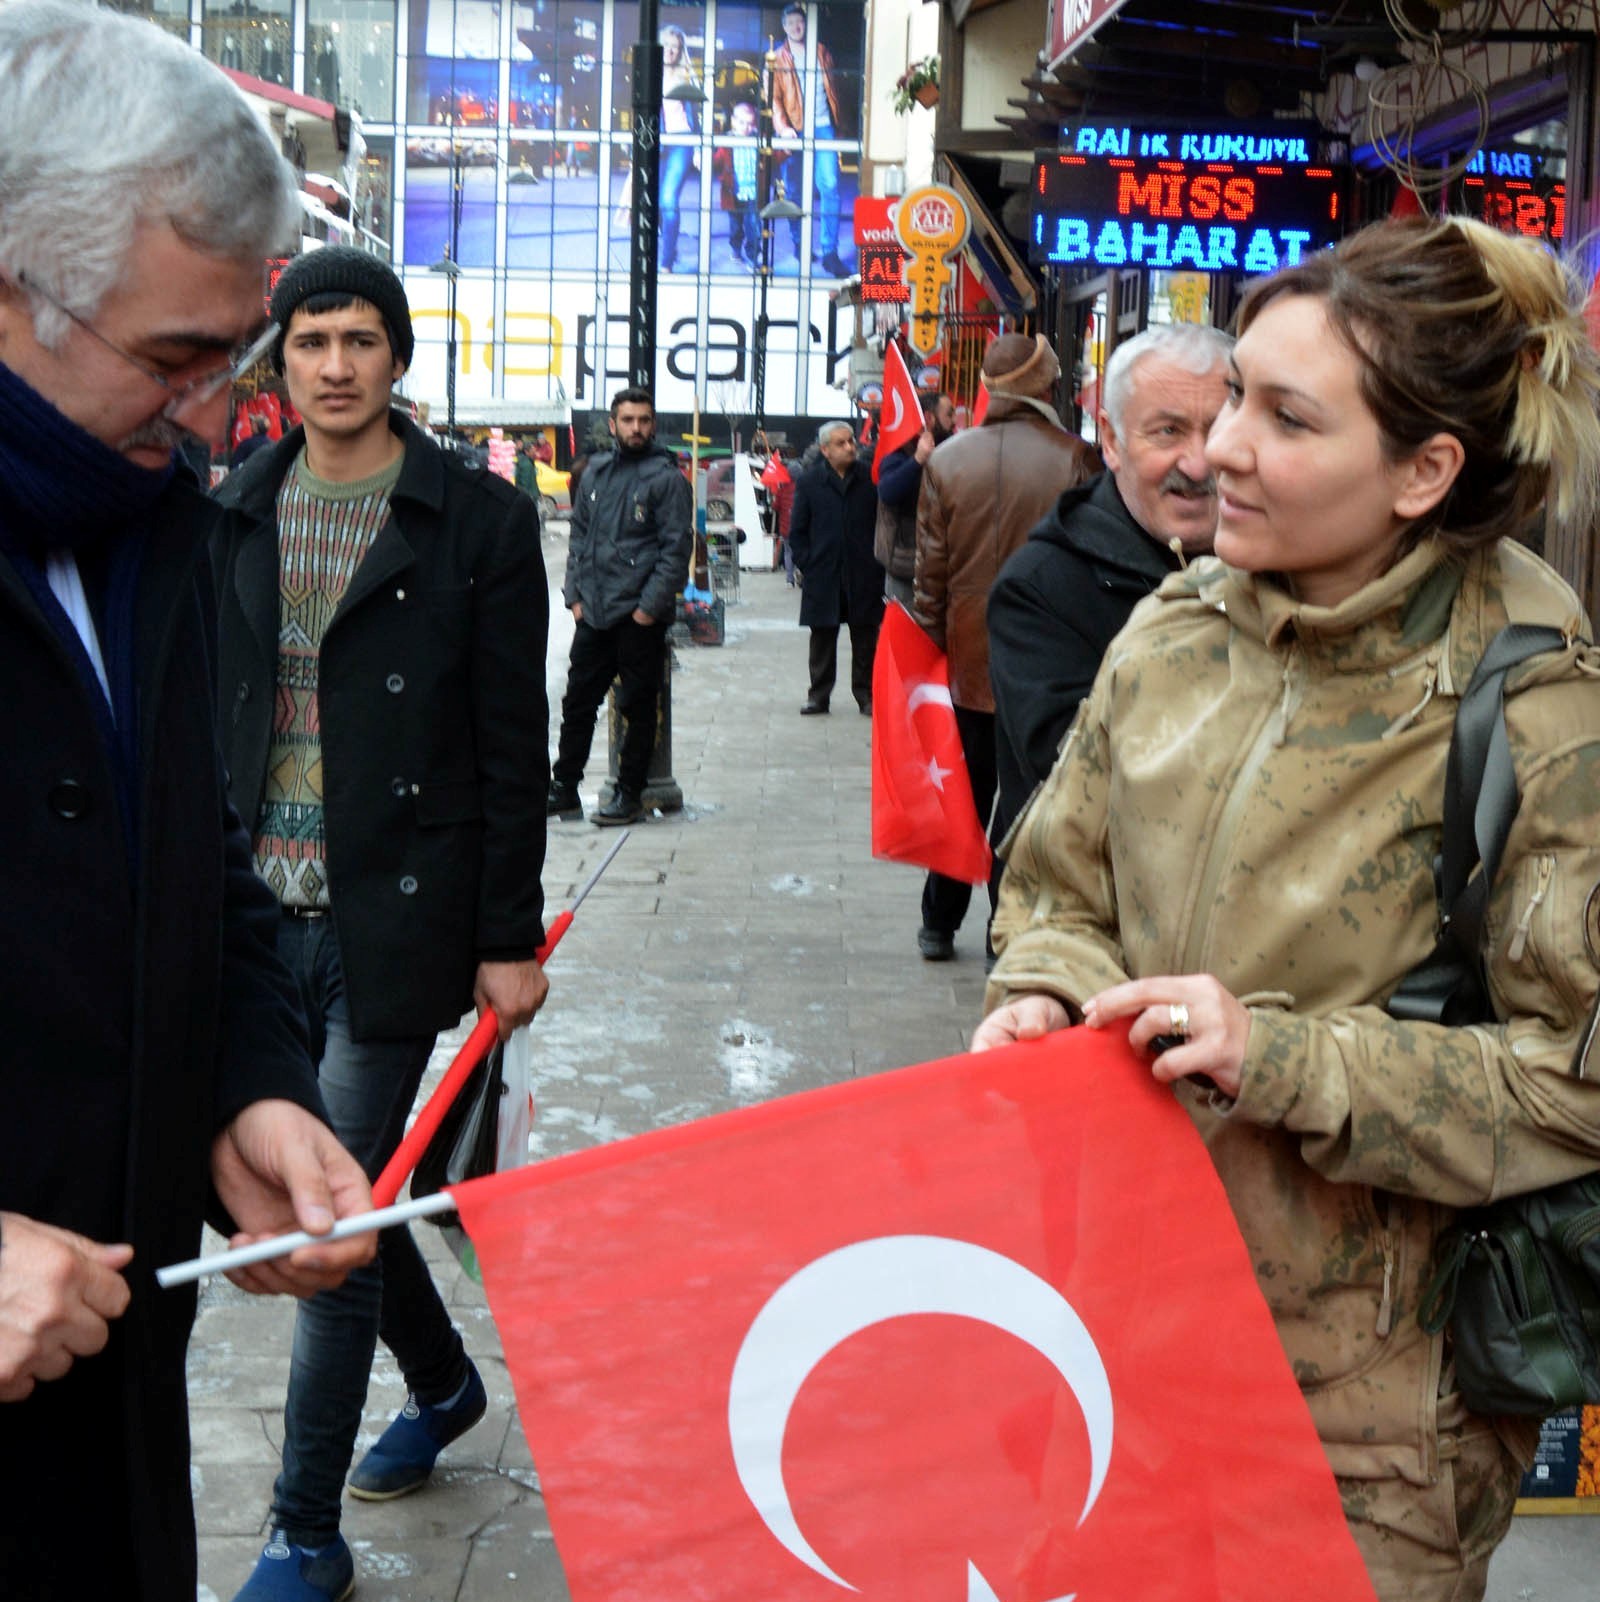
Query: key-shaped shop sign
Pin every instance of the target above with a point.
(932, 224)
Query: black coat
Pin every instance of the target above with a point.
(138, 1020)
(434, 726)
(831, 530)
(1058, 603)
(631, 539)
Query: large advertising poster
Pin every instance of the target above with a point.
(515, 162)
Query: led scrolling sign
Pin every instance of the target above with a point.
(1246, 201)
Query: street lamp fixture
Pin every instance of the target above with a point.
(782, 207)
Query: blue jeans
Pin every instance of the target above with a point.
(368, 1087)
(825, 174)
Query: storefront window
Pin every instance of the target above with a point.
(374, 193)
(350, 55)
(1517, 182)
(251, 36)
(173, 15)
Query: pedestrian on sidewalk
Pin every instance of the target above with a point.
(1060, 600)
(627, 559)
(899, 488)
(383, 616)
(154, 1050)
(981, 493)
(831, 528)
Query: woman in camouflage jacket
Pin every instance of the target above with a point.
(1236, 845)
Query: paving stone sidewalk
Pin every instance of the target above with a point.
(744, 948)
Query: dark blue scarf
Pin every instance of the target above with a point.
(61, 489)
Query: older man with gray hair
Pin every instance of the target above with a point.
(155, 1056)
(1104, 546)
(831, 530)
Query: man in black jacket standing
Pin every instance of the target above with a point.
(627, 559)
(382, 616)
(154, 1051)
(831, 531)
(899, 485)
(1062, 597)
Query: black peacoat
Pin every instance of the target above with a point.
(138, 1018)
(831, 529)
(434, 726)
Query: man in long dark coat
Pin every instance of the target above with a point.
(831, 533)
(154, 1055)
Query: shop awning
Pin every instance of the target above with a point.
(500, 413)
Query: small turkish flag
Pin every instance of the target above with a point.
(982, 1330)
(922, 807)
(900, 420)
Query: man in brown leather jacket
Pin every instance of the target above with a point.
(981, 494)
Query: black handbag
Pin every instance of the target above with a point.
(1517, 1282)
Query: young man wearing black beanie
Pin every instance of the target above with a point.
(383, 613)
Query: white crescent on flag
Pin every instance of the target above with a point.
(926, 694)
(895, 1276)
(899, 410)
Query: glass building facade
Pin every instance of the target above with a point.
(497, 133)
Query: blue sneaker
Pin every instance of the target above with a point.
(288, 1573)
(404, 1455)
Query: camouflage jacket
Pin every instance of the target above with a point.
(1254, 790)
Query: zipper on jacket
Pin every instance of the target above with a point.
(1386, 1302)
(1541, 888)
(1290, 702)
(1430, 683)
(240, 696)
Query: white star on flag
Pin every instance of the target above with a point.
(936, 774)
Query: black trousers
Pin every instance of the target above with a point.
(631, 652)
(945, 901)
(825, 659)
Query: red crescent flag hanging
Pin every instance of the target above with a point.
(992, 1336)
(900, 420)
(922, 807)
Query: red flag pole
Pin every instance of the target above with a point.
(409, 1152)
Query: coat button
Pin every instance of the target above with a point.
(399, 595)
(69, 799)
(408, 886)
(399, 787)
(394, 684)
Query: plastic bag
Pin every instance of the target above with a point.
(486, 1131)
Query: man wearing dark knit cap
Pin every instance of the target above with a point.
(382, 613)
(981, 493)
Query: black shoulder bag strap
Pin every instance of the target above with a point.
(1480, 789)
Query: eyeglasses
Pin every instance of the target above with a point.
(189, 392)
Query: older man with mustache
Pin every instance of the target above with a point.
(1061, 599)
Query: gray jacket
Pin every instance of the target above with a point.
(632, 535)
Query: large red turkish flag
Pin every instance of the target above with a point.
(977, 1331)
(900, 419)
(922, 806)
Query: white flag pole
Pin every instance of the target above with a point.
(281, 1245)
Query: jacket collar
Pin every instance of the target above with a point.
(1395, 616)
(253, 488)
(1008, 408)
(1093, 521)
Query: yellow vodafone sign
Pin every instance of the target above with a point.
(932, 224)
